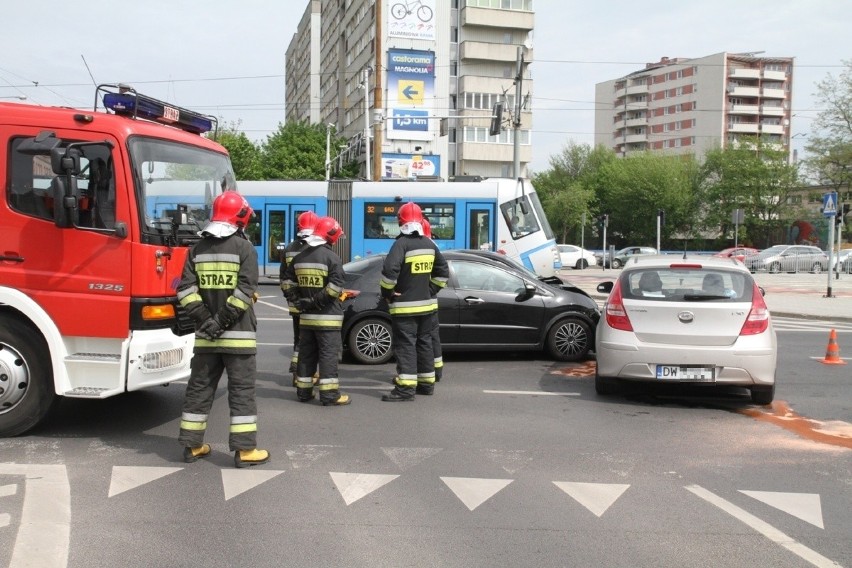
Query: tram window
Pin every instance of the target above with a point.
(254, 229)
(380, 220)
(520, 217)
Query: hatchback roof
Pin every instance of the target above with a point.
(666, 260)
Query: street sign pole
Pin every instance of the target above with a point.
(829, 211)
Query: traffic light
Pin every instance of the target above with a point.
(496, 119)
(603, 220)
(661, 213)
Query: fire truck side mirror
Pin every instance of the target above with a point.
(65, 161)
(64, 205)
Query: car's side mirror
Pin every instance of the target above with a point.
(605, 287)
(528, 292)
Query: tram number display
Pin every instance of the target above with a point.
(382, 209)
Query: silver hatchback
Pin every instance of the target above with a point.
(674, 320)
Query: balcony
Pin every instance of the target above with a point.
(743, 127)
(771, 129)
(774, 94)
(743, 109)
(635, 138)
(641, 121)
(741, 73)
(739, 91)
(496, 18)
(483, 51)
(775, 75)
(769, 110)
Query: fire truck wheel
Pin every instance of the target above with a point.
(26, 377)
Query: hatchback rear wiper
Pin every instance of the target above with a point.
(702, 297)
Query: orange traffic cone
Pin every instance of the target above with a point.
(832, 352)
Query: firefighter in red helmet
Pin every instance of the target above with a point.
(413, 272)
(218, 290)
(437, 352)
(316, 276)
(305, 227)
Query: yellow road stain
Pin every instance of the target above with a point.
(584, 369)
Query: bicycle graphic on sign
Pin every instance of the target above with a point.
(406, 8)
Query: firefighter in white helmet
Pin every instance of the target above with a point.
(218, 290)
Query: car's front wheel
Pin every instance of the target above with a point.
(775, 268)
(582, 264)
(570, 339)
(816, 268)
(370, 341)
(616, 263)
(763, 394)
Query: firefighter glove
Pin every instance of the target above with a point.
(210, 329)
(305, 304)
(292, 294)
(434, 288)
(227, 315)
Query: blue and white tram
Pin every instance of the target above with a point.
(503, 215)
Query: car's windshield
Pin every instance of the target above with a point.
(169, 174)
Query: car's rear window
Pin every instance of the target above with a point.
(667, 284)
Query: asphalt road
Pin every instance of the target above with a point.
(514, 462)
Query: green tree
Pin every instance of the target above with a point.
(754, 176)
(565, 191)
(829, 146)
(633, 189)
(245, 154)
(295, 151)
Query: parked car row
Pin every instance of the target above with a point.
(788, 258)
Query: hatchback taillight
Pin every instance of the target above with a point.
(758, 318)
(616, 316)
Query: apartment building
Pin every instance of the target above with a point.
(684, 105)
(421, 78)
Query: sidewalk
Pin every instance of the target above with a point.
(788, 295)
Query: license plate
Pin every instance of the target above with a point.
(678, 373)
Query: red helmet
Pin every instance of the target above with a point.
(329, 229)
(307, 221)
(232, 208)
(410, 213)
(427, 228)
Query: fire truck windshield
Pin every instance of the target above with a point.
(168, 175)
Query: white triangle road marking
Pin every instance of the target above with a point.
(4, 520)
(473, 491)
(406, 458)
(236, 481)
(6, 490)
(125, 477)
(353, 486)
(304, 456)
(511, 461)
(596, 497)
(805, 506)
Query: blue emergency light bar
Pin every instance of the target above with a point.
(128, 102)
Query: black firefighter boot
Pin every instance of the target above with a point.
(399, 393)
(426, 388)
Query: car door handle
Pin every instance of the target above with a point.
(10, 258)
(473, 300)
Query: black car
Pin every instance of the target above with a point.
(487, 305)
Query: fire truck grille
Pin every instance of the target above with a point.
(160, 360)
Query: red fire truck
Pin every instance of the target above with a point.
(88, 274)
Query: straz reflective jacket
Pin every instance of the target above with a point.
(412, 269)
(222, 272)
(290, 253)
(317, 273)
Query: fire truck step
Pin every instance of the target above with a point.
(105, 357)
(89, 392)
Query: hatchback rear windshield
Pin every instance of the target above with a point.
(687, 284)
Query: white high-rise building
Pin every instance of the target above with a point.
(692, 105)
(431, 72)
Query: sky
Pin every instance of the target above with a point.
(227, 57)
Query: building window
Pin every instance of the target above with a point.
(454, 69)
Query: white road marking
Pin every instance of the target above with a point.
(304, 456)
(406, 458)
(7, 490)
(472, 491)
(353, 486)
(126, 477)
(596, 497)
(236, 481)
(512, 461)
(805, 506)
(533, 393)
(45, 530)
(764, 528)
(5, 519)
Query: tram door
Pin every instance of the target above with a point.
(279, 223)
(479, 226)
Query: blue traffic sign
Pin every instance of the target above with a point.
(829, 204)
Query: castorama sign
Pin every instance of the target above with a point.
(411, 92)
